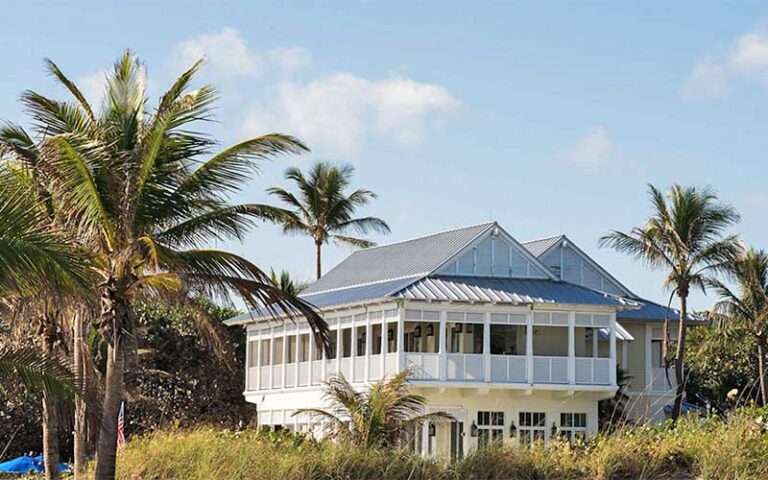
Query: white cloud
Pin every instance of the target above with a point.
(228, 55)
(592, 150)
(290, 60)
(746, 57)
(337, 113)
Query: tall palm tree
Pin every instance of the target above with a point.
(324, 210)
(686, 237)
(144, 194)
(384, 415)
(749, 306)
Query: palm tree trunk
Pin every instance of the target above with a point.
(106, 452)
(50, 419)
(318, 268)
(679, 354)
(761, 347)
(81, 413)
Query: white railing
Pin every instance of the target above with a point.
(359, 373)
(264, 382)
(277, 376)
(374, 367)
(550, 369)
(659, 381)
(423, 366)
(303, 374)
(346, 368)
(290, 375)
(253, 378)
(451, 367)
(508, 368)
(593, 371)
(464, 366)
(317, 372)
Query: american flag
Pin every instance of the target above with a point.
(121, 426)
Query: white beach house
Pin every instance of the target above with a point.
(513, 339)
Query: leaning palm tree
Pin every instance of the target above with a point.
(37, 267)
(748, 308)
(386, 414)
(685, 237)
(144, 194)
(324, 210)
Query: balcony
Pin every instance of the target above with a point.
(526, 350)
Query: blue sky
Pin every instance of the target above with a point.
(549, 118)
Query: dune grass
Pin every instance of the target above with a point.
(736, 448)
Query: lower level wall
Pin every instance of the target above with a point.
(464, 404)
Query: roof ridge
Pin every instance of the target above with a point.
(426, 236)
(543, 238)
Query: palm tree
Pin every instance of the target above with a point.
(286, 283)
(749, 307)
(324, 210)
(37, 267)
(384, 415)
(144, 194)
(685, 237)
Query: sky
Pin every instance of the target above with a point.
(548, 117)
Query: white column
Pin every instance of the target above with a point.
(338, 345)
(368, 345)
(487, 346)
(400, 339)
(572, 348)
(296, 356)
(352, 349)
(441, 345)
(529, 346)
(257, 336)
(285, 355)
(311, 356)
(271, 356)
(612, 347)
(648, 361)
(384, 344)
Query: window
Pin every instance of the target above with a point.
(532, 427)
(332, 349)
(465, 337)
(507, 340)
(264, 353)
(376, 334)
(362, 340)
(346, 343)
(573, 426)
(457, 440)
(657, 353)
(291, 349)
(303, 347)
(490, 427)
(277, 350)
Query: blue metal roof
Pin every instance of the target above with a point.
(409, 258)
(506, 290)
(650, 311)
(337, 297)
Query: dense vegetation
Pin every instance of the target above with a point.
(735, 448)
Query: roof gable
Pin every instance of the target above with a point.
(570, 263)
(407, 259)
(495, 253)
